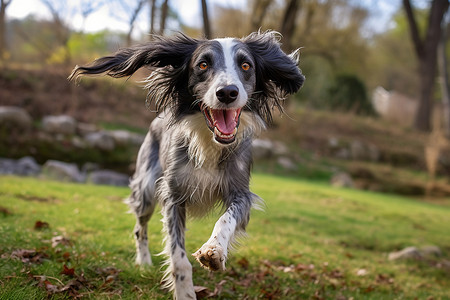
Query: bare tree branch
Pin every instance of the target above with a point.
(206, 24)
(414, 30)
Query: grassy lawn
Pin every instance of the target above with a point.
(312, 242)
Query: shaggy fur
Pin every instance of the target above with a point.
(214, 96)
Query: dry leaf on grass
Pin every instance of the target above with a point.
(41, 225)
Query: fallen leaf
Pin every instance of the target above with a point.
(60, 240)
(5, 211)
(28, 256)
(66, 256)
(243, 262)
(201, 292)
(361, 272)
(41, 225)
(68, 271)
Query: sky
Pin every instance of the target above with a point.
(189, 12)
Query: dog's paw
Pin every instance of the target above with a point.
(143, 259)
(211, 257)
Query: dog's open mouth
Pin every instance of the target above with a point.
(223, 123)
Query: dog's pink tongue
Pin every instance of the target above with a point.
(225, 120)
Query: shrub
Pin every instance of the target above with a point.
(348, 93)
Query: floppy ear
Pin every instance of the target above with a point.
(277, 74)
(273, 64)
(159, 53)
(168, 59)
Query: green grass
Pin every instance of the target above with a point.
(308, 244)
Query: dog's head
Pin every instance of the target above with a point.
(221, 77)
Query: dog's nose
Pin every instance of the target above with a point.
(227, 94)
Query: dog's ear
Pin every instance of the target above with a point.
(159, 53)
(277, 74)
(272, 64)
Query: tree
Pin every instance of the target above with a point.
(288, 23)
(3, 5)
(206, 25)
(88, 7)
(258, 13)
(443, 74)
(152, 16)
(61, 10)
(164, 13)
(426, 53)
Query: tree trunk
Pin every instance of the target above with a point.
(426, 52)
(133, 18)
(443, 74)
(152, 16)
(164, 12)
(258, 13)
(206, 25)
(3, 5)
(288, 24)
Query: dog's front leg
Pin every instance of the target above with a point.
(179, 273)
(213, 254)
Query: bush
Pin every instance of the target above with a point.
(348, 93)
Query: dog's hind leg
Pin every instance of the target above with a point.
(142, 200)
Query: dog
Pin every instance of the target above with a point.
(214, 97)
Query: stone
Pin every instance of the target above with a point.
(15, 117)
(86, 128)
(262, 149)
(100, 140)
(62, 124)
(279, 148)
(26, 166)
(407, 253)
(7, 166)
(287, 163)
(342, 179)
(108, 177)
(430, 250)
(62, 171)
(358, 150)
(124, 137)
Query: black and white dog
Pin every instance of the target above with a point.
(215, 95)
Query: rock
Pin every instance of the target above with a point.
(358, 150)
(279, 148)
(262, 149)
(15, 117)
(287, 163)
(430, 251)
(124, 137)
(59, 125)
(62, 171)
(407, 253)
(78, 142)
(343, 153)
(7, 166)
(86, 128)
(100, 140)
(108, 177)
(26, 166)
(89, 167)
(342, 179)
(374, 153)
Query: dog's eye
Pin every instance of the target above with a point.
(245, 66)
(203, 65)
